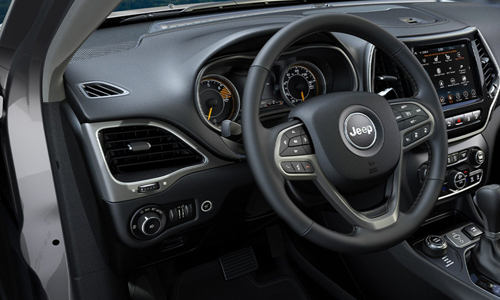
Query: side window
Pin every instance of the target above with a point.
(4, 7)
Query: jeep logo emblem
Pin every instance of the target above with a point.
(360, 131)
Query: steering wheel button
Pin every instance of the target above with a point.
(408, 139)
(401, 107)
(308, 168)
(287, 167)
(420, 112)
(397, 115)
(297, 166)
(407, 114)
(305, 139)
(413, 121)
(296, 141)
(294, 151)
(425, 130)
(417, 134)
(283, 143)
(293, 132)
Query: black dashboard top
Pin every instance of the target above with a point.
(159, 62)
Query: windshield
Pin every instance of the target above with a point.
(137, 4)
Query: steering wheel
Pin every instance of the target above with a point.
(346, 142)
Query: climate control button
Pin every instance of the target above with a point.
(456, 180)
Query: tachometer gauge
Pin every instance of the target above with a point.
(218, 100)
(301, 81)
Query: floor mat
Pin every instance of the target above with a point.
(207, 282)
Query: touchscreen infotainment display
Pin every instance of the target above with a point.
(449, 68)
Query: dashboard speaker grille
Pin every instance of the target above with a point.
(395, 77)
(486, 64)
(98, 89)
(136, 153)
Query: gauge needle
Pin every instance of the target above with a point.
(210, 113)
(302, 94)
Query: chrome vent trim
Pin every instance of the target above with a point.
(113, 190)
(486, 63)
(136, 152)
(100, 89)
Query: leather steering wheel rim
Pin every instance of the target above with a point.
(259, 142)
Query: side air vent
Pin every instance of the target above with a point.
(136, 153)
(388, 75)
(486, 64)
(97, 89)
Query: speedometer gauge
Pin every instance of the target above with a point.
(218, 100)
(301, 81)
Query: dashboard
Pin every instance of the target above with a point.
(156, 106)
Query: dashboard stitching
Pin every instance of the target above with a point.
(217, 23)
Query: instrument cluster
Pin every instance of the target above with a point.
(296, 77)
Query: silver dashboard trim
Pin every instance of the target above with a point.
(468, 30)
(455, 192)
(113, 190)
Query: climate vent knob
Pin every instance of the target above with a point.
(456, 180)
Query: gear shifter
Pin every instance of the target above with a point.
(486, 255)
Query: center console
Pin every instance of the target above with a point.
(465, 76)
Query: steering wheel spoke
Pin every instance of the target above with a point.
(415, 122)
(294, 153)
(378, 218)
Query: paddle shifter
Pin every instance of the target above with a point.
(486, 255)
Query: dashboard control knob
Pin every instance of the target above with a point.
(456, 180)
(477, 157)
(148, 222)
(435, 246)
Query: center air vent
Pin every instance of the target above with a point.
(486, 63)
(97, 89)
(136, 153)
(387, 75)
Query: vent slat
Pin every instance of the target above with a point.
(159, 161)
(101, 90)
(167, 153)
(489, 73)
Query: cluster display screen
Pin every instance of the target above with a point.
(451, 72)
